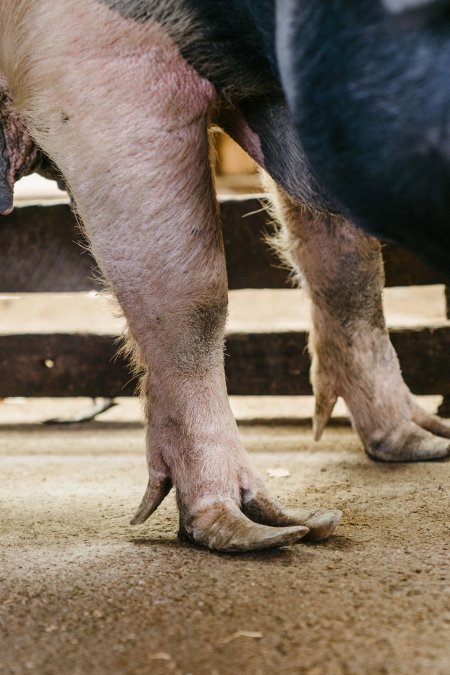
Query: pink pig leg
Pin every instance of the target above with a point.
(352, 355)
(125, 119)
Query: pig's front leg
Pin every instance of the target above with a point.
(127, 125)
(352, 355)
(163, 254)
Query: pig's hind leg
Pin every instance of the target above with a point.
(126, 121)
(352, 355)
(342, 268)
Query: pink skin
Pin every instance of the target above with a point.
(233, 122)
(21, 149)
(352, 355)
(126, 120)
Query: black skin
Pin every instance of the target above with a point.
(6, 193)
(368, 93)
(376, 130)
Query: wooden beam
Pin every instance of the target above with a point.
(444, 408)
(274, 363)
(40, 252)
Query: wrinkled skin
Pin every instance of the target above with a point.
(120, 101)
(18, 153)
(352, 355)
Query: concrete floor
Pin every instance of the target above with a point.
(82, 592)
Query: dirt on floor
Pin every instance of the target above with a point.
(83, 593)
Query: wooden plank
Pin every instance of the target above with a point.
(40, 252)
(275, 363)
(250, 262)
(403, 268)
(444, 408)
(62, 365)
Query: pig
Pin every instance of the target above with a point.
(342, 105)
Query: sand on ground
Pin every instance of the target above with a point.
(83, 592)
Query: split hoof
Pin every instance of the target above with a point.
(222, 526)
(431, 423)
(321, 524)
(409, 443)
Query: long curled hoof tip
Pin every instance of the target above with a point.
(322, 524)
(411, 444)
(223, 527)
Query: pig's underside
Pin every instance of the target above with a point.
(125, 117)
